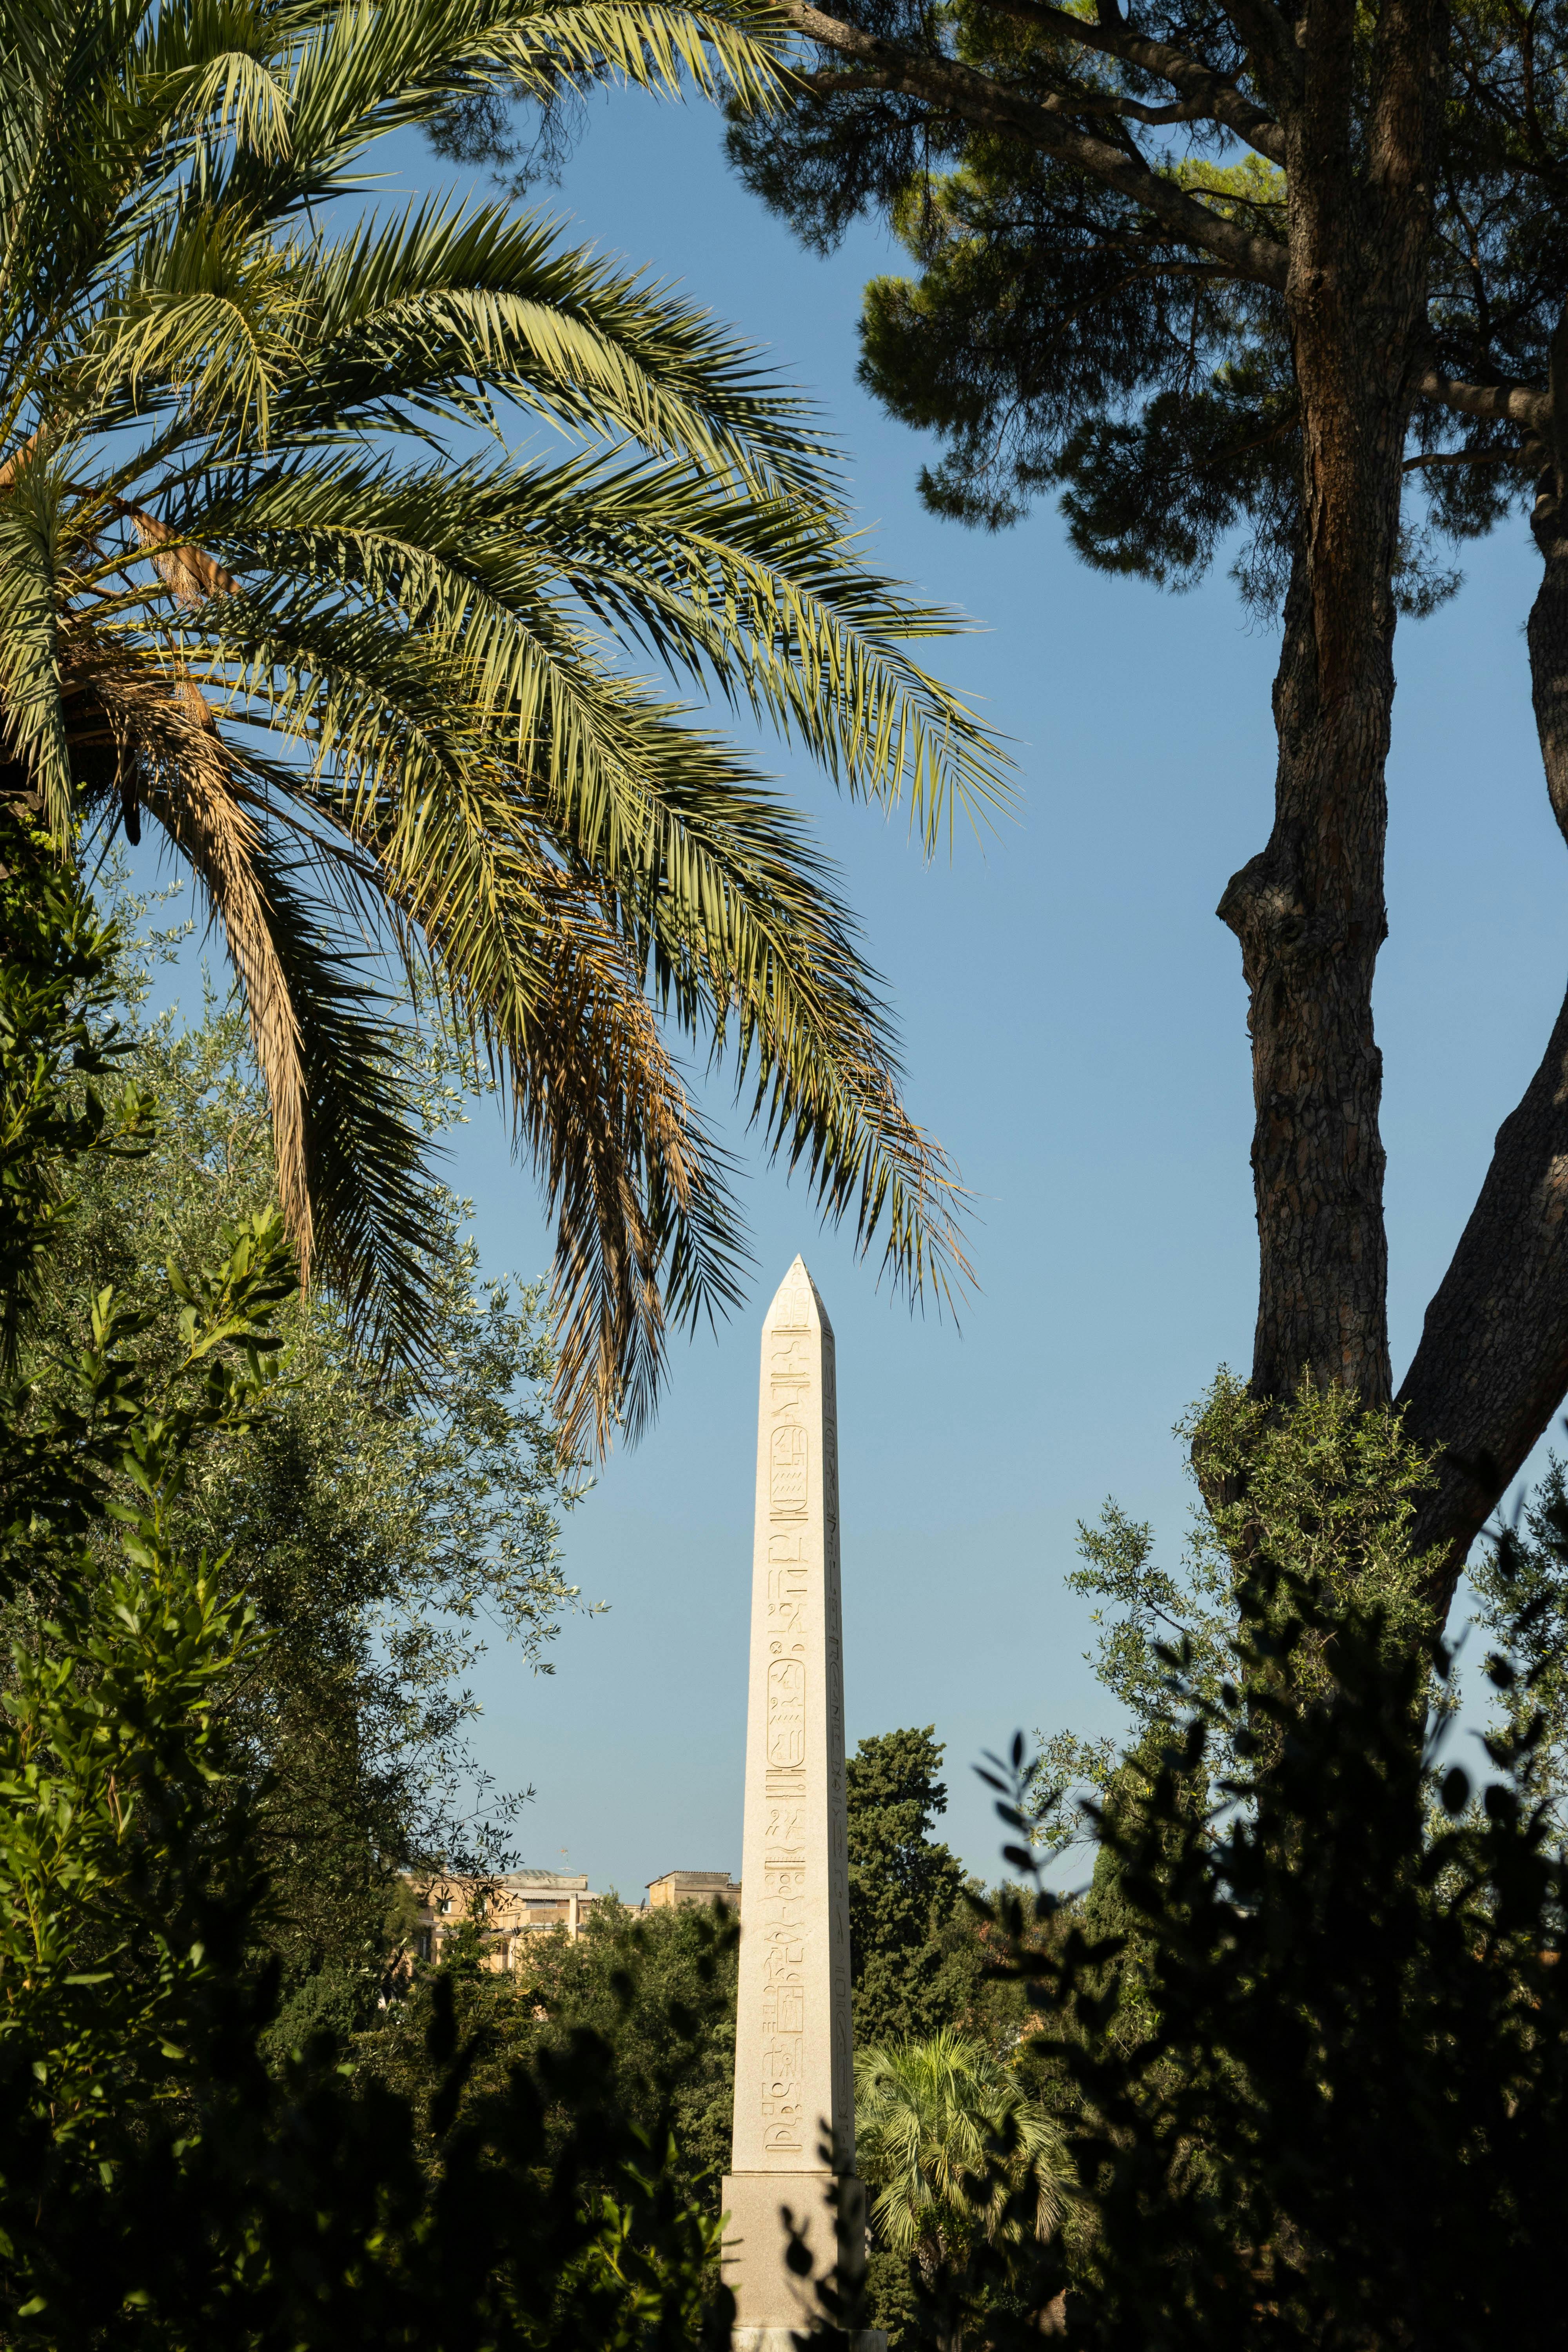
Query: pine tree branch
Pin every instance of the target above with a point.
(1506, 402)
(1100, 103)
(987, 103)
(1208, 95)
(1461, 458)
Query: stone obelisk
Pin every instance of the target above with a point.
(794, 2094)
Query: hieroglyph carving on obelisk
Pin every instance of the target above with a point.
(794, 2088)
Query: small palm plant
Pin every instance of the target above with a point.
(954, 2152)
(275, 576)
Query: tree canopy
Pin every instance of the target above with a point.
(957, 2155)
(382, 1528)
(1323, 2107)
(658, 1991)
(914, 1965)
(1288, 282)
(164, 2178)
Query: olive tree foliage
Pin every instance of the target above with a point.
(1334, 1490)
(1303, 2045)
(160, 2184)
(1340, 2121)
(383, 1530)
(1522, 1594)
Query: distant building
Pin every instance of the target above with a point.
(519, 1904)
(692, 1890)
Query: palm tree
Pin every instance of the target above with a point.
(273, 577)
(952, 2147)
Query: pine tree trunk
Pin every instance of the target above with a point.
(1492, 1365)
(1309, 911)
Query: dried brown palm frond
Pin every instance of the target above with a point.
(624, 1159)
(12, 463)
(187, 569)
(169, 753)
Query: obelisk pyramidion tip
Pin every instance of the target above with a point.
(797, 1302)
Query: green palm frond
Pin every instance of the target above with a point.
(31, 516)
(749, 595)
(948, 2139)
(371, 692)
(447, 294)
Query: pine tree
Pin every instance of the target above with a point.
(1298, 271)
(914, 1962)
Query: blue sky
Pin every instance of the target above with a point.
(1073, 1022)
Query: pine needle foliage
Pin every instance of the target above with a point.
(914, 1962)
(276, 577)
(1061, 325)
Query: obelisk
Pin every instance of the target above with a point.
(794, 2093)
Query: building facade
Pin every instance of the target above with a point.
(523, 1903)
(509, 1908)
(692, 1890)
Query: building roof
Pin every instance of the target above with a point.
(561, 1881)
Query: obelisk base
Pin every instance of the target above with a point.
(774, 2305)
(792, 2339)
